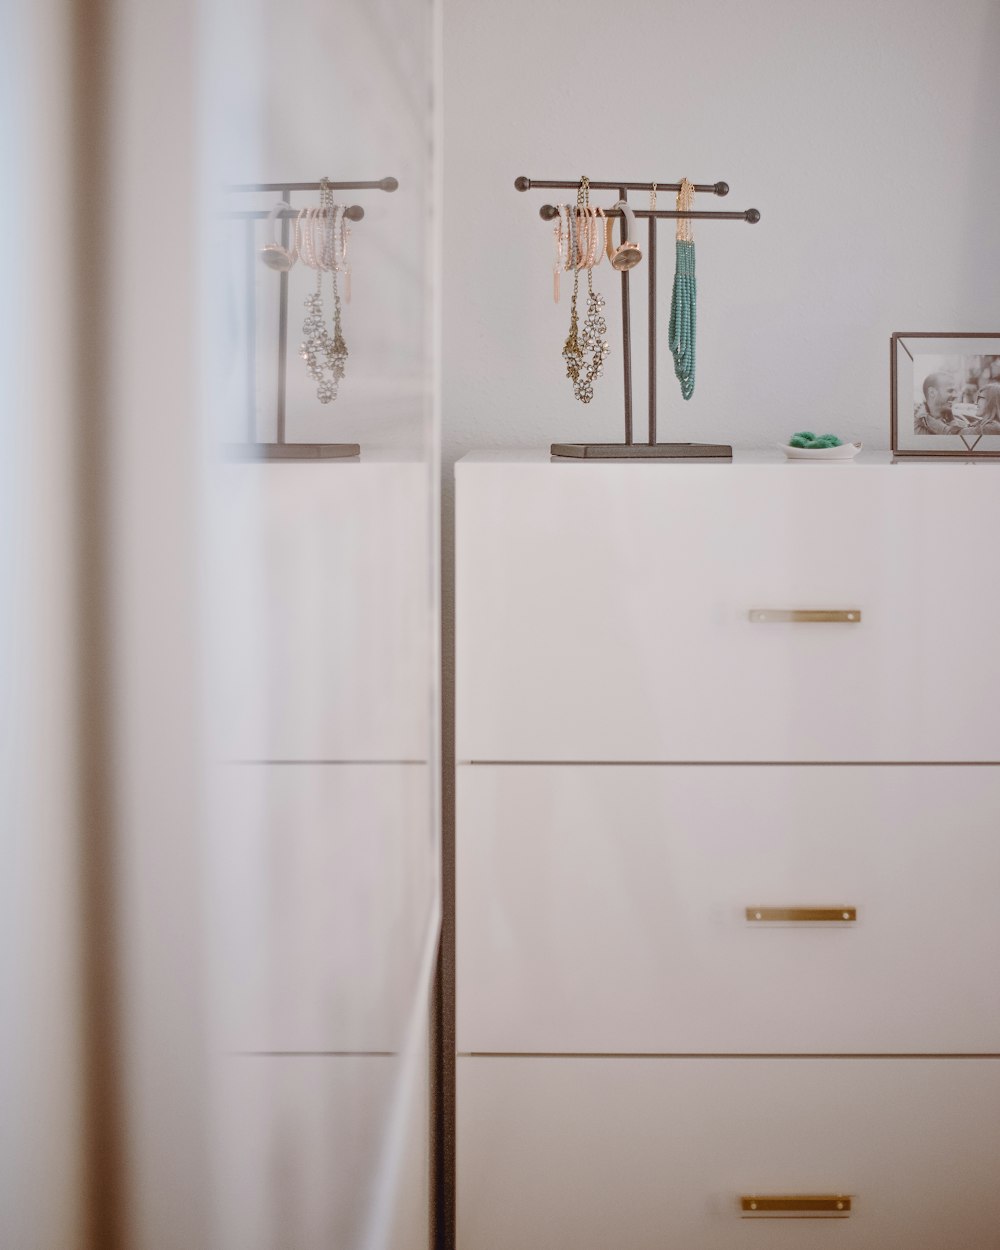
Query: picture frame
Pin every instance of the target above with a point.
(945, 394)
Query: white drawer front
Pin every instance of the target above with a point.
(322, 587)
(606, 612)
(298, 1146)
(593, 1153)
(602, 909)
(323, 884)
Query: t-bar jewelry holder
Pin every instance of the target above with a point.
(651, 449)
(253, 449)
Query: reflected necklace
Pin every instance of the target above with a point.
(325, 354)
(580, 370)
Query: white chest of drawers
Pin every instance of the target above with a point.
(728, 853)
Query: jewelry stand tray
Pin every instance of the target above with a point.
(651, 449)
(281, 449)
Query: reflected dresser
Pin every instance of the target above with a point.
(323, 859)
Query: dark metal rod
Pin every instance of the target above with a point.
(528, 184)
(549, 212)
(651, 271)
(626, 332)
(251, 302)
(354, 212)
(383, 184)
(282, 331)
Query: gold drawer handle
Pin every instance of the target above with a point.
(818, 1206)
(802, 915)
(798, 616)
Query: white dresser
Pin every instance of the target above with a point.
(728, 854)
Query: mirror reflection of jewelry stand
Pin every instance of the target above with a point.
(651, 449)
(281, 449)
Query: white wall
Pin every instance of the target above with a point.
(864, 132)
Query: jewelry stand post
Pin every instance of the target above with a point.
(280, 449)
(651, 449)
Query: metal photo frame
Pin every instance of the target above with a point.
(967, 358)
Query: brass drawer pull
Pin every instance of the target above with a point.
(830, 1206)
(798, 616)
(802, 915)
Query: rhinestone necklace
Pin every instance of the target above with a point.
(325, 354)
(580, 370)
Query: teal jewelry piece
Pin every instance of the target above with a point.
(684, 303)
(805, 438)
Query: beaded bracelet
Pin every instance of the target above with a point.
(600, 234)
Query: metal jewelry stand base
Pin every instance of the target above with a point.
(651, 449)
(292, 451)
(642, 451)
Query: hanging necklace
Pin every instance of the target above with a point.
(683, 305)
(325, 354)
(580, 370)
(557, 263)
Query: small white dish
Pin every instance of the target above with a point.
(846, 451)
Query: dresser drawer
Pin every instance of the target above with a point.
(683, 612)
(604, 909)
(323, 882)
(592, 1153)
(322, 589)
(299, 1143)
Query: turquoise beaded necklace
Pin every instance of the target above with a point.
(684, 303)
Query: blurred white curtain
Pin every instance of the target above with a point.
(42, 1092)
(115, 890)
(103, 1041)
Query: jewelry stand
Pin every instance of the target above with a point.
(253, 449)
(650, 450)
